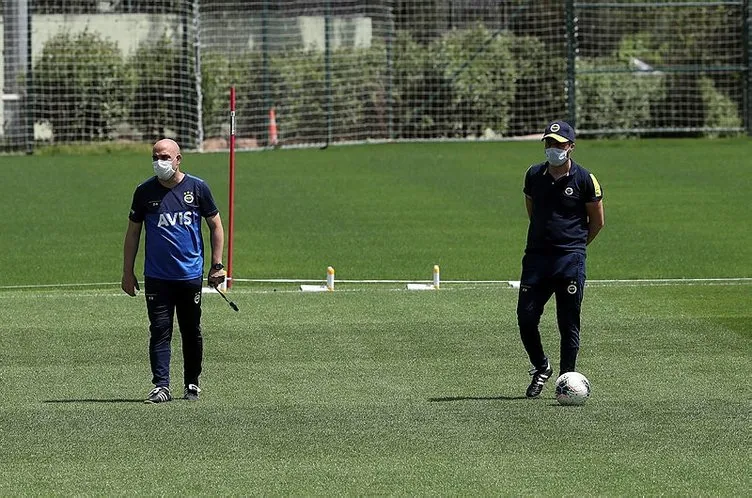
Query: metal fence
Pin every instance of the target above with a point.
(335, 71)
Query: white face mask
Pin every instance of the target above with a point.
(556, 157)
(163, 169)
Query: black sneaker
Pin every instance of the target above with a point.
(540, 376)
(191, 392)
(158, 395)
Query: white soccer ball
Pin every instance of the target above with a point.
(572, 388)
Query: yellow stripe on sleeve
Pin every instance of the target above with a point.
(596, 185)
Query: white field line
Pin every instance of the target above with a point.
(47, 292)
(644, 281)
(515, 283)
(466, 284)
(56, 286)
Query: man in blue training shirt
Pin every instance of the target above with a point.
(171, 205)
(565, 207)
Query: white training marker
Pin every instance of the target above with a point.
(330, 278)
(329, 287)
(314, 288)
(420, 287)
(433, 286)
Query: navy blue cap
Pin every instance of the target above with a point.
(561, 131)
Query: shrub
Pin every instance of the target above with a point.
(300, 95)
(687, 100)
(297, 90)
(615, 100)
(218, 74)
(721, 111)
(412, 79)
(540, 95)
(479, 70)
(611, 96)
(164, 99)
(459, 85)
(80, 86)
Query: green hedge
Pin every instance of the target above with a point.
(721, 111)
(439, 90)
(218, 74)
(156, 90)
(81, 86)
(618, 100)
(85, 88)
(610, 96)
(460, 84)
(540, 92)
(296, 87)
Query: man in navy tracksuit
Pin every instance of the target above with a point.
(171, 205)
(564, 204)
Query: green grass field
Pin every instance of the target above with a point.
(374, 390)
(674, 209)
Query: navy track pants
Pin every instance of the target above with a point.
(164, 300)
(544, 275)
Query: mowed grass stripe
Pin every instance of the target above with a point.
(672, 211)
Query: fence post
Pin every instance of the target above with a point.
(747, 41)
(571, 59)
(196, 16)
(390, 34)
(183, 97)
(328, 69)
(19, 128)
(28, 92)
(266, 87)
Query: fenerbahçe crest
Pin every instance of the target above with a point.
(188, 197)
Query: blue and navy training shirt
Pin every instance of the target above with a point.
(559, 221)
(172, 217)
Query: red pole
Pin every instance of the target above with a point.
(231, 199)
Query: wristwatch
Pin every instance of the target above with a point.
(218, 266)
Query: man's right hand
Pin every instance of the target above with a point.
(129, 284)
(216, 277)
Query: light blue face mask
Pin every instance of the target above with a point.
(556, 157)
